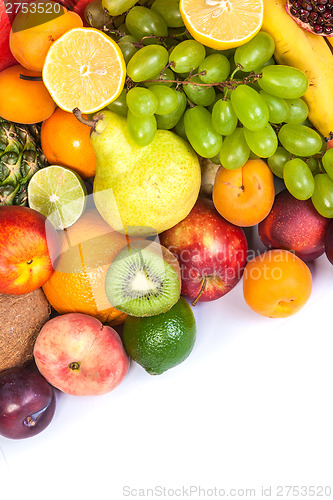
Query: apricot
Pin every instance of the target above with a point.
(294, 225)
(36, 28)
(244, 196)
(24, 101)
(276, 283)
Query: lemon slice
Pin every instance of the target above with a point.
(84, 69)
(59, 194)
(222, 24)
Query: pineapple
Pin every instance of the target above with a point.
(20, 158)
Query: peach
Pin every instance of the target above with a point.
(276, 283)
(244, 196)
(80, 356)
(294, 225)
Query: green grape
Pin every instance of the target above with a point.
(147, 62)
(169, 121)
(201, 133)
(278, 109)
(127, 47)
(313, 165)
(250, 107)
(235, 151)
(283, 81)
(201, 95)
(141, 102)
(143, 22)
(224, 117)
(298, 111)
(300, 140)
(253, 156)
(141, 130)
(215, 159)
(187, 56)
(277, 161)
(327, 161)
(169, 10)
(180, 127)
(117, 7)
(256, 52)
(262, 142)
(298, 179)
(218, 97)
(267, 63)
(122, 28)
(216, 67)
(166, 98)
(227, 53)
(322, 197)
(119, 105)
(167, 74)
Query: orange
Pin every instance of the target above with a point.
(244, 196)
(36, 28)
(276, 284)
(78, 282)
(24, 101)
(222, 24)
(66, 141)
(84, 69)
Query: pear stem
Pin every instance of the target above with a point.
(203, 286)
(90, 123)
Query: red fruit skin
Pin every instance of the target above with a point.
(330, 144)
(211, 252)
(6, 57)
(329, 242)
(28, 246)
(294, 225)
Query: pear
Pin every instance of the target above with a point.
(142, 190)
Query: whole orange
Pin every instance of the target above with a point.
(244, 196)
(66, 141)
(36, 28)
(78, 282)
(276, 283)
(24, 101)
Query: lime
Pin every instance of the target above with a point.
(59, 194)
(160, 342)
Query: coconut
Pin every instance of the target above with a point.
(22, 317)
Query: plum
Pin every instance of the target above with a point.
(294, 225)
(329, 242)
(27, 402)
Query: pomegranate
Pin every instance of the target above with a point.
(315, 16)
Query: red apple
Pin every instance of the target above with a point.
(294, 225)
(329, 242)
(28, 243)
(211, 252)
(80, 356)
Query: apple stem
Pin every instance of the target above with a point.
(203, 286)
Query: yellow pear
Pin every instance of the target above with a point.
(142, 190)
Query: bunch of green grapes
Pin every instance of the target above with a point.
(229, 105)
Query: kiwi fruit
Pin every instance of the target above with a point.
(143, 279)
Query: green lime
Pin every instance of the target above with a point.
(160, 342)
(59, 194)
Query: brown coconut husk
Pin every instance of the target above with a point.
(21, 319)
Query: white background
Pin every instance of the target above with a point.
(252, 406)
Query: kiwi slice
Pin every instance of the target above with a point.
(143, 279)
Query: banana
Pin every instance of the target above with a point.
(307, 52)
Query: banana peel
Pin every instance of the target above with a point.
(309, 53)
